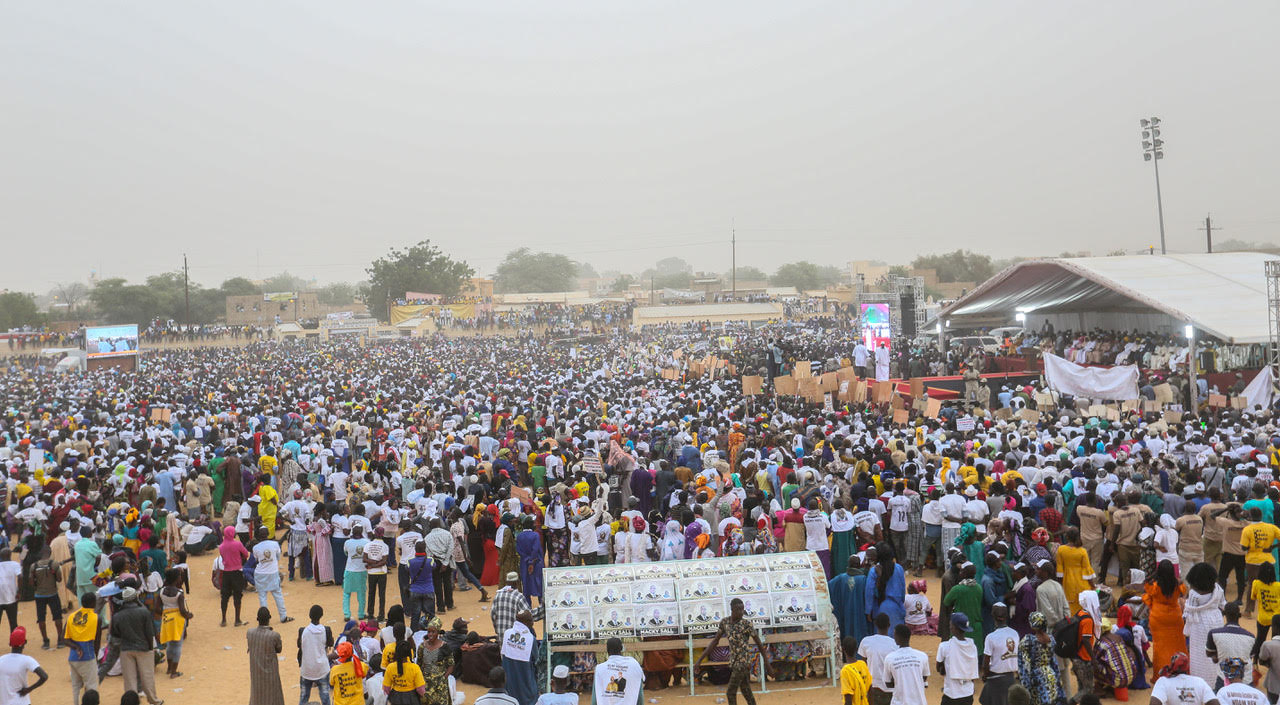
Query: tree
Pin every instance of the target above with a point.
(284, 281)
(71, 295)
(19, 309)
(669, 273)
(422, 267)
(338, 294)
(805, 275)
(958, 266)
(622, 283)
(749, 274)
(239, 286)
(118, 301)
(523, 271)
(584, 270)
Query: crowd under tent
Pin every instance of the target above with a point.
(1221, 294)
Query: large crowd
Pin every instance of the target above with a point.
(1079, 557)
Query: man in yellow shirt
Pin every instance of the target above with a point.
(855, 677)
(83, 636)
(1259, 539)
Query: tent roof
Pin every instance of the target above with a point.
(1224, 294)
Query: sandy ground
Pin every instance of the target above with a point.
(214, 658)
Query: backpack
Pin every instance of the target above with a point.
(1066, 637)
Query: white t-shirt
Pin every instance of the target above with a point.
(618, 681)
(815, 530)
(375, 550)
(354, 549)
(14, 670)
(960, 659)
(873, 649)
(268, 555)
(10, 571)
(517, 643)
(908, 668)
(1241, 694)
(1182, 689)
(917, 608)
(567, 698)
(899, 512)
(1001, 648)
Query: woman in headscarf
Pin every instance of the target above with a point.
(886, 588)
(842, 536)
(556, 529)
(322, 548)
(973, 549)
(642, 489)
(1038, 550)
(529, 548)
(1113, 665)
(965, 597)
(1166, 542)
(435, 658)
(487, 527)
(1038, 666)
(1202, 613)
(1163, 593)
(764, 541)
(691, 534)
(1135, 639)
(672, 546)
(508, 558)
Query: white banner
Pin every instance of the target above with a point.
(1120, 382)
(1260, 391)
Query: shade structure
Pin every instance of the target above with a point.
(1222, 294)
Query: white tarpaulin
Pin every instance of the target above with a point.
(1120, 382)
(1260, 391)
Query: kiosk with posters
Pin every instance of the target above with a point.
(679, 604)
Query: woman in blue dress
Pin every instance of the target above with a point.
(529, 548)
(886, 587)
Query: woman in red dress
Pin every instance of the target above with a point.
(488, 527)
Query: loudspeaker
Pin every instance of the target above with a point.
(907, 305)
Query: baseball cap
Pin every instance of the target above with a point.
(18, 637)
(960, 623)
(460, 624)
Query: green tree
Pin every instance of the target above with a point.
(239, 286)
(423, 267)
(805, 275)
(338, 294)
(669, 273)
(958, 266)
(749, 274)
(19, 309)
(118, 301)
(622, 283)
(284, 281)
(584, 270)
(524, 271)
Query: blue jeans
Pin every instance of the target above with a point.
(304, 688)
(420, 603)
(270, 583)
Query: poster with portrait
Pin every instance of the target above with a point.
(645, 592)
(659, 619)
(702, 616)
(576, 575)
(700, 588)
(794, 608)
(695, 569)
(611, 595)
(662, 570)
(614, 573)
(745, 564)
(791, 581)
(746, 584)
(569, 597)
(758, 609)
(567, 625)
(613, 621)
(798, 560)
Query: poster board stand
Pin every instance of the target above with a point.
(589, 589)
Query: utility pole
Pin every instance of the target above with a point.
(734, 258)
(186, 289)
(1208, 233)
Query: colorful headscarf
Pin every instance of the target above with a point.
(1037, 621)
(1040, 535)
(1179, 663)
(967, 531)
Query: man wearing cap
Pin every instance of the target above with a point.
(15, 667)
(559, 694)
(134, 630)
(958, 663)
(508, 602)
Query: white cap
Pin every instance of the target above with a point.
(561, 672)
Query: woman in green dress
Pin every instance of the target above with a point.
(435, 658)
(966, 597)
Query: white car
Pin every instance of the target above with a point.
(985, 343)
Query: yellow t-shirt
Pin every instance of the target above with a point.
(347, 688)
(1268, 597)
(82, 625)
(1257, 539)
(410, 679)
(267, 464)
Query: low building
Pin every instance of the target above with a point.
(708, 313)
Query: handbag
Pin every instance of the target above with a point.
(403, 697)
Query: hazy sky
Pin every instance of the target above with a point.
(311, 136)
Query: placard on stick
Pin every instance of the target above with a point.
(803, 370)
(752, 385)
(917, 388)
(901, 416)
(1164, 393)
(1029, 415)
(934, 408)
(881, 392)
(1218, 400)
(784, 384)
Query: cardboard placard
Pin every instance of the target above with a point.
(803, 370)
(1030, 415)
(860, 392)
(1044, 399)
(917, 388)
(1098, 410)
(1129, 405)
(1149, 406)
(933, 408)
(1004, 414)
(677, 354)
(1239, 403)
(784, 384)
(881, 392)
(752, 385)
(830, 382)
(1164, 393)
(847, 373)
(895, 401)
(1113, 414)
(828, 402)
(161, 415)
(901, 416)
(1173, 417)
(1218, 400)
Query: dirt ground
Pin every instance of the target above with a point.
(214, 659)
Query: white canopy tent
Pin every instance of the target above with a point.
(1222, 294)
